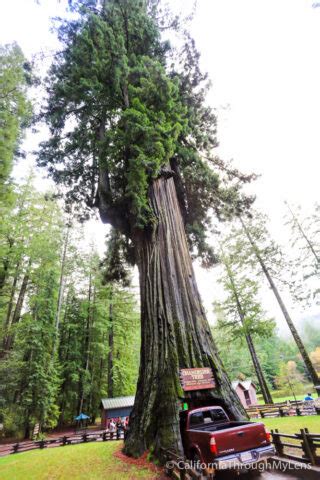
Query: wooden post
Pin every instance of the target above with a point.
(307, 446)
(277, 442)
(313, 447)
(16, 447)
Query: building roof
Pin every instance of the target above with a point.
(237, 383)
(245, 384)
(117, 402)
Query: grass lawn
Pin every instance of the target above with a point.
(284, 399)
(293, 424)
(92, 461)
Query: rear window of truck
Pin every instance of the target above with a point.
(208, 416)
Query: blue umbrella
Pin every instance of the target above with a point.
(82, 416)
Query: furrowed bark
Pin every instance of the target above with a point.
(175, 332)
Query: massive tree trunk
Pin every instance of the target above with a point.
(304, 354)
(175, 332)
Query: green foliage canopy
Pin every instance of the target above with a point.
(15, 108)
(121, 115)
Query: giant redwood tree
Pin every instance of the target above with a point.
(132, 136)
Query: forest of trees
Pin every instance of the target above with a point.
(131, 137)
(70, 322)
(252, 260)
(60, 310)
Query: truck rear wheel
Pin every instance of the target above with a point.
(196, 460)
(197, 464)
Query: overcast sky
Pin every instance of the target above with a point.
(263, 59)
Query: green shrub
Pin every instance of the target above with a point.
(11, 424)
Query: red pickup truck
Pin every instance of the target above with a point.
(209, 437)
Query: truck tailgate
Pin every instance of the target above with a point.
(240, 438)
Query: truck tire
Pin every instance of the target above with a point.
(197, 460)
(203, 471)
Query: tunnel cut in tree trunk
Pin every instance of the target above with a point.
(175, 331)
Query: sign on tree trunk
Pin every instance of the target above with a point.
(196, 379)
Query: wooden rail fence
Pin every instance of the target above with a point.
(61, 441)
(308, 444)
(299, 408)
(286, 445)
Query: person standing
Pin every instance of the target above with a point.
(113, 428)
(309, 406)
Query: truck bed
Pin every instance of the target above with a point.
(209, 434)
(230, 437)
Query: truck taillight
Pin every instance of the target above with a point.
(268, 436)
(213, 446)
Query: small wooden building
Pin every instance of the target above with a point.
(246, 391)
(115, 408)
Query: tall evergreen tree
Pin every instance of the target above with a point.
(28, 334)
(244, 315)
(15, 108)
(84, 330)
(260, 250)
(70, 356)
(53, 337)
(302, 232)
(39, 382)
(135, 139)
(305, 242)
(116, 276)
(26, 241)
